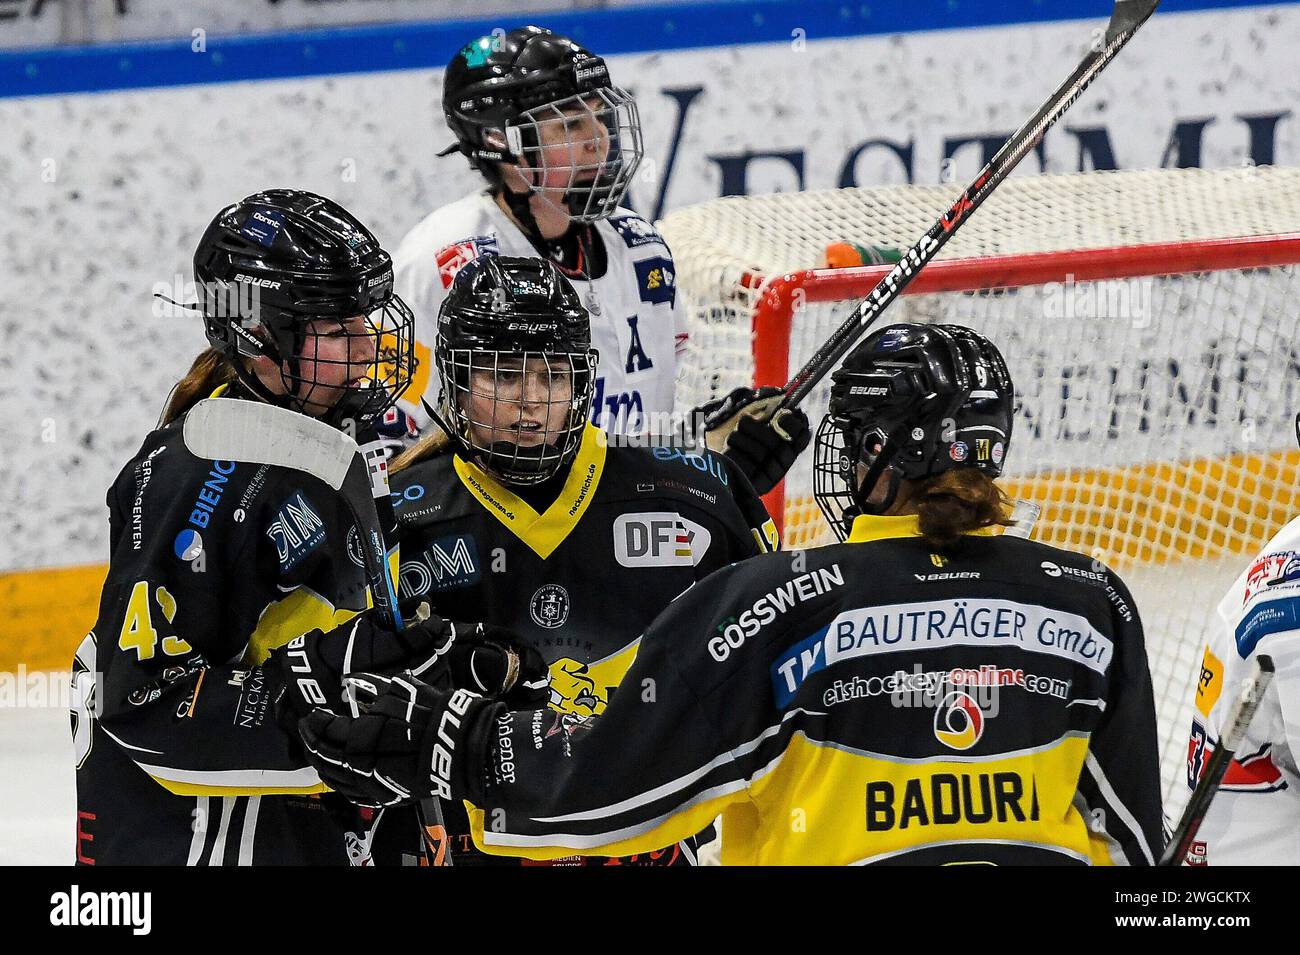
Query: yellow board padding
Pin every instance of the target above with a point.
(46, 613)
(1205, 508)
(1201, 509)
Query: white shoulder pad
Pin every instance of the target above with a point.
(1265, 599)
(466, 218)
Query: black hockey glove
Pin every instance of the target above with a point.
(493, 662)
(487, 659)
(764, 450)
(409, 741)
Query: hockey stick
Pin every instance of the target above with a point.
(1127, 17)
(1238, 721)
(256, 433)
(252, 432)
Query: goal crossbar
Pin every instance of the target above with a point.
(780, 297)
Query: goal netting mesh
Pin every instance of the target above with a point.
(1151, 321)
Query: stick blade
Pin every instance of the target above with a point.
(250, 432)
(1128, 16)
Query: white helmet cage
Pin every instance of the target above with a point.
(602, 131)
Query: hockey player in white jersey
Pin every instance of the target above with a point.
(1255, 818)
(558, 144)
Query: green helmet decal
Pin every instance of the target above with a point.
(476, 53)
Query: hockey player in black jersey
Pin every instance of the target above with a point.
(218, 569)
(927, 691)
(536, 521)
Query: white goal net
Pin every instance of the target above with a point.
(1151, 321)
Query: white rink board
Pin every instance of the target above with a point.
(105, 194)
(37, 787)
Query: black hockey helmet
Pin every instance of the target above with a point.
(514, 345)
(500, 91)
(270, 265)
(912, 401)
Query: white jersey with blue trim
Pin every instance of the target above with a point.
(636, 327)
(1255, 818)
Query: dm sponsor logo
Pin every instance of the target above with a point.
(618, 412)
(296, 531)
(447, 563)
(659, 539)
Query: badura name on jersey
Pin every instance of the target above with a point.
(634, 331)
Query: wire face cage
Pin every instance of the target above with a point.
(520, 414)
(586, 147)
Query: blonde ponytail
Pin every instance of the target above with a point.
(434, 443)
(209, 372)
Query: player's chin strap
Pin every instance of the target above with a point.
(868, 485)
(437, 417)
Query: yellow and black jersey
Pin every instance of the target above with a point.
(630, 529)
(179, 756)
(868, 702)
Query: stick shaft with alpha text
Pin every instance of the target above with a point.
(1127, 17)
